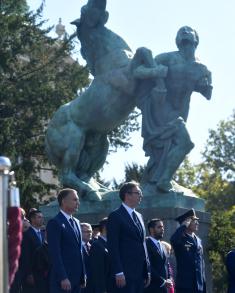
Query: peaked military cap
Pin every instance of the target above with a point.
(189, 214)
(95, 226)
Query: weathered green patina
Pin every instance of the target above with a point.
(76, 138)
(161, 87)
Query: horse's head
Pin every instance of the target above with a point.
(91, 16)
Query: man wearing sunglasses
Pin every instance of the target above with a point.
(188, 250)
(126, 243)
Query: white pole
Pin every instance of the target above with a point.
(5, 165)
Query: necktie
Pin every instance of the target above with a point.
(160, 247)
(137, 223)
(71, 221)
(39, 235)
(87, 247)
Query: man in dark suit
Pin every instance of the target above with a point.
(101, 276)
(32, 239)
(65, 246)
(190, 277)
(86, 238)
(126, 243)
(230, 265)
(160, 274)
(41, 268)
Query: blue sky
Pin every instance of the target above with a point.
(153, 24)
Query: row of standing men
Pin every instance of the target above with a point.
(121, 259)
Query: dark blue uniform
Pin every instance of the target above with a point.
(230, 264)
(188, 250)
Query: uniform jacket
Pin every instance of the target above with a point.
(189, 258)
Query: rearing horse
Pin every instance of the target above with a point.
(76, 138)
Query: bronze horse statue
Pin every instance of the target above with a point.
(76, 138)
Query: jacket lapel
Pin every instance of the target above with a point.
(129, 220)
(157, 250)
(141, 222)
(65, 222)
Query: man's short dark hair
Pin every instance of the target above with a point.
(103, 224)
(63, 194)
(152, 223)
(33, 213)
(127, 187)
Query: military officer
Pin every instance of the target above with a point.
(190, 277)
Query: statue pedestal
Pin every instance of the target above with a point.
(166, 206)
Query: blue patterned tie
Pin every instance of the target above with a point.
(39, 235)
(72, 223)
(137, 223)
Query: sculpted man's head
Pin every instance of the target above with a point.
(186, 35)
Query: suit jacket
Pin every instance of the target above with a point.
(30, 243)
(101, 276)
(126, 246)
(65, 252)
(230, 265)
(189, 258)
(159, 268)
(86, 258)
(41, 268)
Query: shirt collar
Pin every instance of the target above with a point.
(155, 241)
(191, 235)
(104, 238)
(36, 230)
(67, 216)
(129, 210)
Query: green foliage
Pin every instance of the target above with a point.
(218, 192)
(214, 180)
(37, 75)
(215, 183)
(222, 239)
(220, 148)
(119, 136)
(186, 174)
(12, 6)
(133, 172)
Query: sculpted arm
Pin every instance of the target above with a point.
(163, 59)
(204, 85)
(144, 66)
(143, 72)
